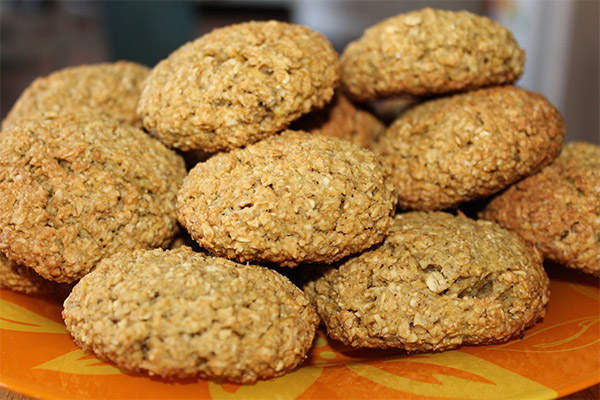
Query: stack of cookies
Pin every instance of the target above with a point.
(295, 172)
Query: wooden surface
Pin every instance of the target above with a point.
(592, 393)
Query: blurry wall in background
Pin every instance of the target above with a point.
(561, 38)
(561, 42)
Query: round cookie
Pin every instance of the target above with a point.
(107, 89)
(290, 198)
(237, 85)
(436, 282)
(468, 146)
(558, 208)
(342, 119)
(430, 51)
(75, 189)
(22, 279)
(183, 314)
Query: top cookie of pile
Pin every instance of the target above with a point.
(237, 85)
(430, 51)
(107, 89)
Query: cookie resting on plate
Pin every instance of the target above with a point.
(237, 85)
(21, 279)
(470, 145)
(557, 209)
(289, 199)
(430, 51)
(436, 282)
(77, 188)
(181, 314)
(107, 89)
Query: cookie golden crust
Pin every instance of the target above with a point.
(183, 314)
(558, 209)
(290, 198)
(430, 51)
(75, 189)
(107, 89)
(342, 119)
(237, 85)
(435, 283)
(470, 145)
(22, 279)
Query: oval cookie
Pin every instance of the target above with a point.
(430, 51)
(557, 209)
(75, 189)
(435, 283)
(107, 89)
(468, 146)
(290, 198)
(183, 314)
(238, 84)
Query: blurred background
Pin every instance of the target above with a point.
(561, 38)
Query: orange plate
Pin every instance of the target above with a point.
(558, 356)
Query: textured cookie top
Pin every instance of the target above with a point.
(342, 119)
(558, 209)
(75, 189)
(178, 313)
(436, 282)
(430, 51)
(238, 84)
(470, 145)
(290, 198)
(22, 279)
(107, 89)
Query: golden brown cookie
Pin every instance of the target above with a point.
(75, 189)
(430, 51)
(557, 209)
(436, 282)
(290, 198)
(470, 145)
(22, 279)
(342, 119)
(107, 89)
(238, 84)
(183, 314)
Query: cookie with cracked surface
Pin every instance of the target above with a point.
(470, 145)
(430, 51)
(289, 199)
(557, 209)
(340, 118)
(237, 85)
(181, 314)
(22, 279)
(107, 89)
(436, 282)
(76, 188)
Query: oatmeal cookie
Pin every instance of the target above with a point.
(22, 279)
(430, 51)
(107, 89)
(290, 198)
(342, 119)
(436, 282)
(468, 146)
(180, 314)
(238, 84)
(75, 189)
(558, 209)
